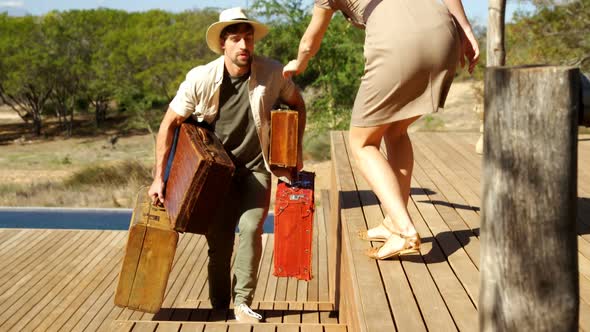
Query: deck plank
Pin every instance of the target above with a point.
(178, 276)
(11, 242)
(61, 284)
(17, 266)
(74, 294)
(402, 300)
(364, 272)
(455, 175)
(64, 280)
(324, 287)
(265, 275)
(76, 317)
(48, 264)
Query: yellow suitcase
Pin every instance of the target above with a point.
(149, 254)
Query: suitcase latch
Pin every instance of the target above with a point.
(296, 197)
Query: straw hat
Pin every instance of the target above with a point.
(228, 17)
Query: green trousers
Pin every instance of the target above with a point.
(246, 206)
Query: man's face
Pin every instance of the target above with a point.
(238, 46)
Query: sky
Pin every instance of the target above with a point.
(476, 9)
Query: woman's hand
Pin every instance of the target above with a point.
(469, 49)
(293, 68)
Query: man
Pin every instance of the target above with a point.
(234, 94)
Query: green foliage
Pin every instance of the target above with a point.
(316, 145)
(68, 62)
(432, 123)
(558, 35)
(59, 61)
(333, 74)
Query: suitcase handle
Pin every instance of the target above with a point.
(207, 140)
(204, 135)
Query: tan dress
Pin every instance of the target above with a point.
(411, 52)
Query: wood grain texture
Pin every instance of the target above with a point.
(200, 165)
(283, 138)
(529, 248)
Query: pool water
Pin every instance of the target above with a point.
(60, 218)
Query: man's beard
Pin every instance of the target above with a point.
(241, 63)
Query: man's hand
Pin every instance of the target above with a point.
(156, 192)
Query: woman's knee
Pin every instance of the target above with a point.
(399, 129)
(361, 139)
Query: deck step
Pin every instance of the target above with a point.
(231, 326)
(266, 305)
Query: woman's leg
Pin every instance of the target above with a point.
(388, 177)
(400, 157)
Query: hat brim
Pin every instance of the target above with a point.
(214, 32)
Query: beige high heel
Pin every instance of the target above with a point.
(411, 244)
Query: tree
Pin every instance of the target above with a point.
(556, 34)
(69, 37)
(335, 71)
(28, 81)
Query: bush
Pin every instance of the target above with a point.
(316, 146)
(118, 174)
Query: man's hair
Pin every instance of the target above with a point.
(234, 28)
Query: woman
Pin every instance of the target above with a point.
(411, 51)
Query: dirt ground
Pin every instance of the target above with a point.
(25, 162)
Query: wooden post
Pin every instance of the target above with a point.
(529, 273)
(585, 111)
(496, 52)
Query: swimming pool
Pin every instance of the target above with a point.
(77, 218)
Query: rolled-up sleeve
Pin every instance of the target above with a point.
(323, 4)
(287, 88)
(186, 99)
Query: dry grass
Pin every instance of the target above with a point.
(113, 185)
(88, 172)
(75, 172)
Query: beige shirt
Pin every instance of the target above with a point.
(198, 95)
(353, 10)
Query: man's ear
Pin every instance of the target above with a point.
(222, 43)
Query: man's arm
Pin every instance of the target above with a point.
(295, 101)
(171, 121)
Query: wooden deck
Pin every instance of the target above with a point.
(438, 289)
(55, 280)
(64, 280)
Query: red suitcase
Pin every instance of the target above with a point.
(294, 208)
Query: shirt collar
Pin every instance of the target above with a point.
(221, 66)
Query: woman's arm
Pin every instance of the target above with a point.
(456, 8)
(310, 42)
(470, 47)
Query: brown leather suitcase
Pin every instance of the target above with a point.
(199, 178)
(294, 210)
(149, 254)
(283, 138)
